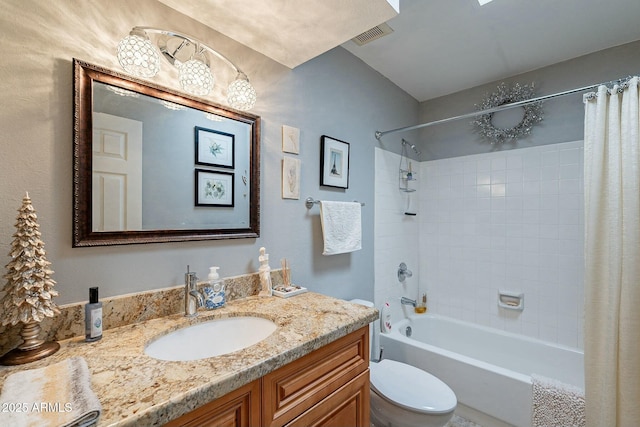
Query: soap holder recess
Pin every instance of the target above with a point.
(511, 300)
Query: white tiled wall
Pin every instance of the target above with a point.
(509, 220)
(396, 237)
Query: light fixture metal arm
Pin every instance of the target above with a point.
(139, 54)
(192, 40)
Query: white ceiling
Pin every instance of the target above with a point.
(443, 46)
(290, 32)
(438, 46)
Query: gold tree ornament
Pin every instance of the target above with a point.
(28, 292)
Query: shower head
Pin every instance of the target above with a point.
(412, 146)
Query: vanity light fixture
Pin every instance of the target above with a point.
(172, 105)
(139, 55)
(123, 92)
(213, 117)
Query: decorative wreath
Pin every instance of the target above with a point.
(506, 95)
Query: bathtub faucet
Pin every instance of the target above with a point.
(408, 301)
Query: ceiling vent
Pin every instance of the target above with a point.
(372, 34)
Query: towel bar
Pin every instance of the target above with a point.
(310, 201)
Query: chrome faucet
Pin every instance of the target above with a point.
(192, 296)
(404, 272)
(407, 301)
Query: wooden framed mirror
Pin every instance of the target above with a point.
(153, 165)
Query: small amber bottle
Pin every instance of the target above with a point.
(421, 307)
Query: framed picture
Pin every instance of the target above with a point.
(214, 148)
(290, 139)
(290, 178)
(214, 188)
(334, 162)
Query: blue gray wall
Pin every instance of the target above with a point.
(563, 117)
(334, 94)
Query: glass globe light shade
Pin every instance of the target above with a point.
(241, 95)
(138, 56)
(173, 106)
(195, 77)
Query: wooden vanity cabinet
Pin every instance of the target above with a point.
(328, 387)
(294, 389)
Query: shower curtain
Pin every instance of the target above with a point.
(612, 256)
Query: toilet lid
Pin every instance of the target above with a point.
(411, 388)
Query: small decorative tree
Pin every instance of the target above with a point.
(29, 292)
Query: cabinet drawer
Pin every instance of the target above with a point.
(296, 387)
(240, 408)
(348, 406)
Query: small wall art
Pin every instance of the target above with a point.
(334, 162)
(214, 188)
(214, 148)
(290, 178)
(290, 139)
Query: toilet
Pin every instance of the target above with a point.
(405, 396)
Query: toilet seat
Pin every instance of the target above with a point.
(411, 388)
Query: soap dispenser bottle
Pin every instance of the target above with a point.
(385, 319)
(213, 276)
(93, 317)
(214, 292)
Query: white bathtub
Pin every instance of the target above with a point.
(488, 369)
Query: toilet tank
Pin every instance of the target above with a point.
(374, 342)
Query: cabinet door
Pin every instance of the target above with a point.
(240, 408)
(348, 406)
(293, 389)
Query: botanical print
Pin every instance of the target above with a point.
(214, 148)
(214, 189)
(290, 178)
(290, 139)
(219, 148)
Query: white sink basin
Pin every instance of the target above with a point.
(209, 339)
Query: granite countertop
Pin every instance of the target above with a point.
(135, 389)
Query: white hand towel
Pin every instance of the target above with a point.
(57, 395)
(341, 227)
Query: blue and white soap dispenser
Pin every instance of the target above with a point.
(214, 291)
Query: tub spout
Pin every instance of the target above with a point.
(408, 301)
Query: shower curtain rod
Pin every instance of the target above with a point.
(380, 134)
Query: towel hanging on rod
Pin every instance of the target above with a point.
(341, 225)
(310, 201)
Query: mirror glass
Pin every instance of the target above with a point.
(154, 165)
